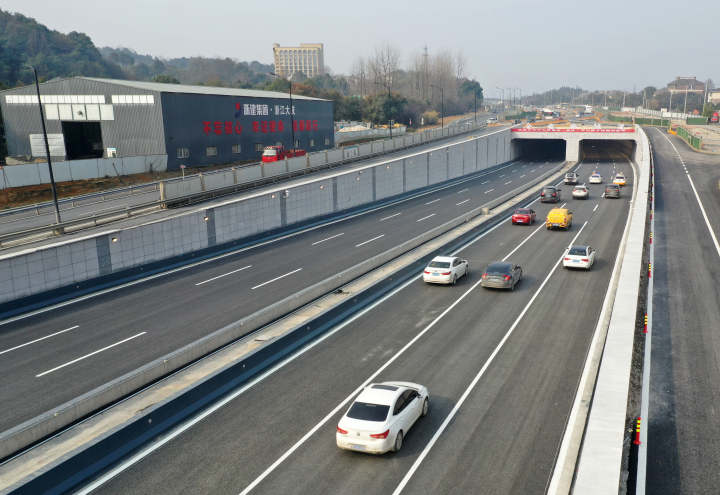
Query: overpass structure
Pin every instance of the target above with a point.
(575, 140)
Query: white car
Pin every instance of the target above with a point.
(595, 178)
(445, 270)
(580, 192)
(571, 178)
(579, 257)
(381, 416)
(492, 120)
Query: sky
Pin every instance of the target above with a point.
(534, 45)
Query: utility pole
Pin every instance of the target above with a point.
(685, 105)
(47, 146)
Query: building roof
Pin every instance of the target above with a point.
(192, 89)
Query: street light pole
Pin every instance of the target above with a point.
(292, 120)
(47, 147)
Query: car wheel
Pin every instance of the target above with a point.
(426, 407)
(454, 279)
(398, 442)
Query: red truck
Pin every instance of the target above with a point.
(276, 153)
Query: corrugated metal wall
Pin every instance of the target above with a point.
(197, 122)
(136, 129)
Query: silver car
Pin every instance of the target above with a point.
(501, 275)
(612, 191)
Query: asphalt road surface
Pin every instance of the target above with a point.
(684, 410)
(52, 357)
(502, 369)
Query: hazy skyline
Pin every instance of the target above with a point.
(514, 43)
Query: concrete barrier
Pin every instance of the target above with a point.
(185, 233)
(12, 440)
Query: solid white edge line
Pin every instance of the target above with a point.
(697, 197)
(425, 218)
(89, 355)
(241, 250)
(38, 340)
(177, 431)
(479, 375)
(370, 240)
(224, 275)
(327, 239)
(275, 279)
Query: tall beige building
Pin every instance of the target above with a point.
(306, 58)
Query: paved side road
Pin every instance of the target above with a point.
(684, 412)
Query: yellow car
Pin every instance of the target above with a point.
(560, 218)
(619, 180)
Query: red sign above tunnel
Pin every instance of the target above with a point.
(570, 129)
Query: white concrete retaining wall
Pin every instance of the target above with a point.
(42, 269)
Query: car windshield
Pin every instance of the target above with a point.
(440, 264)
(577, 251)
(367, 411)
(498, 269)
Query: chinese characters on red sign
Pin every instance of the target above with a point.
(258, 126)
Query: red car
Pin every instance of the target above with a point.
(524, 216)
(276, 153)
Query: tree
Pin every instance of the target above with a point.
(384, 65)
(164, 78)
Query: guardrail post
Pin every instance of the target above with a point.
(235, 177)
(287, 169)
(307, 160)
(326, 157)
(202, 181)
(162, 192)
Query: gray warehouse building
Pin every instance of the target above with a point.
(180, 124)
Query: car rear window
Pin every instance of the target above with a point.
(522, 211)
(498, 268)
(613, 186)
(549, 190)
(367, 411)
(439, 264)
(579, 188)
(577, 251)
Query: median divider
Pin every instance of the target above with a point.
(246, 348)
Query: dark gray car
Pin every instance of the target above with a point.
(612, 191)
(550, 194)
(501, 275)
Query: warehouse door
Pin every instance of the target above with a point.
(82, 140)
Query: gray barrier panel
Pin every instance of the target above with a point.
(469, 158)
(296, 163)
(318, 158)
(219, 180)
(248, 174)
(86, 169)
(438, 166)
(354, 189)
(308, 201)
(416, 173)
(243, 219)
(389, 179)
(455, 162)
(271, 169)
(334, 155)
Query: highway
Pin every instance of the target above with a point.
(84, 208)
(683, 445)
(502, 369)
(53, 356)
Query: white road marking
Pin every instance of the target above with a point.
(433, 201)
(489, 191)
(503, 175)
(382, 368)
(596, 207)
(483, 183)
(523, 175)
(425, 218)
(41, 338)
(462, 202)
(391, 216)
(508, 182)
(523, 242)
(464, 190)
(697, 197)
(327, 239)
(532, 170)
(275, 279)
(477, 378)
(179, 430)
(89, 355)
(370, 240)
(224, 275)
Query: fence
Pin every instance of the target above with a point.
(693, 141)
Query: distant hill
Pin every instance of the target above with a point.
(25, 41)
(192, 70)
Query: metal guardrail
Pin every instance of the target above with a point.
(50, 230)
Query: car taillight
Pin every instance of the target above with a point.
(553, 195)
(445, 273)
(585, 260)
(507, 277)
(381, 435)
(567, 259)
(484, 275)
(341, 431)
(542, 194)
(426, 271)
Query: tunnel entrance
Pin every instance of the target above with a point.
(540, 149)
(607, 149)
